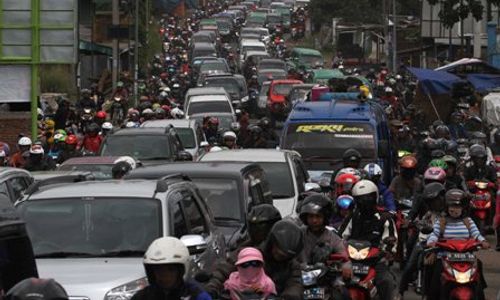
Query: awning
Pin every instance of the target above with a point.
(88, 47)
(434, 82)
(484, 82)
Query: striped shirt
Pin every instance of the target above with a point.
(455, 230)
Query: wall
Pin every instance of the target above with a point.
(12, 124)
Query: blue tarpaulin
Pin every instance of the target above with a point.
(434, 82)
(484, 82)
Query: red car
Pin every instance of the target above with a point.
(277, 100)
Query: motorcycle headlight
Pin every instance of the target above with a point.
(127, 290)
(358, 255)
(462, 277)
(481, 185)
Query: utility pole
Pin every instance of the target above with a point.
(115, 6)
(394, 38)
(384, 24)
(136, 52)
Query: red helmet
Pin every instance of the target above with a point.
(164, 75)
(166, 108)
(344, 183)
(408, 162)
(434, 174)
(71, 139)
(100, 115)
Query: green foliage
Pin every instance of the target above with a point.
(358, 11)
(452, 11)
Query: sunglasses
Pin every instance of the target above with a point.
(253, 263)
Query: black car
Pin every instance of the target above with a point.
(230, 189)
(148, 145)
(13, 182)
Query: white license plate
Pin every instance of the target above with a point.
(314, 293)
(359, 269)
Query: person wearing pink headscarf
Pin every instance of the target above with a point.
(250, 276)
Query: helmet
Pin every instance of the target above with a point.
(229, 135)
(107, 126)
(71, 139)
(438, 163)
(100, 115)
(37, 289)
(432, 190)
(24, 141)
(264, 122)
(316, 204)
(434, 174)
(373, 170)
(126, 159)
(408, 162)
(177, 113)
(166, 250)
(438, 153)
(2, 153)
(263, 213)
(120, 168)
(256, 130)
(455, 197)
(37, 150)
(442, 131)
(131, 124)
(59, 138)
(351, 171)
(344, 183)
(451, 147)
(477, 151)
(345, 201)
(449, 160)
(388, 89)
(288, 237)
(216, 149)
(351, 155)
(93, 127)
(365, 194)
(497, 136)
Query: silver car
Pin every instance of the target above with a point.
(91, 236)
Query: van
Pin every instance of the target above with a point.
(305, 58)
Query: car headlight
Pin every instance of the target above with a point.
(127, 290)
(245, 99)
(462, 277)
(358, 255)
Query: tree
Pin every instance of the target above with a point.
(350, 11)
(454, 11)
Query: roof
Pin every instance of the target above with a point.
(257, 53)
(271, 71)
(193, 169)
(203, 45)
(208, 98)
(248, 155)
(434, 82)
(6, 171)
(327, 73)
(139, 131)
(91, 160)
(109, 188)
(307, 51)
(338, 109)
(212, 90)
(250, 42)
(286, 81)
(177, 123)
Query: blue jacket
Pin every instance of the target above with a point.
(388, 197)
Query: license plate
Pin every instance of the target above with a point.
(314, 293)
(359, 269)
(310, 277)
(466, 257)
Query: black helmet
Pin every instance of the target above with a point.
(432, 190)
(256, 130)
(351, 155)
(451, 147)
(442, 131)
(263, 213)
(437, 123)
(287, 236)
(264, 122)
(120, 169)
(437, 153)
(456, 197)
(37, 289)
(477, 151)
(316, 204)
(431, 144)
(93, 127)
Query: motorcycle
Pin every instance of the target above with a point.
(460, 277)
(117, 114)
(480, 202)
(403, 209)
(320, 280)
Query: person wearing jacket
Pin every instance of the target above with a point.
(366, 224)
(374, 174)
(166, 262)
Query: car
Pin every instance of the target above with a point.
(250, 45)
(270, 75)
(199, 91)
(230, 189)
(99, 166)
(263, 95)
(271, 63)
(213, 66)
(190, 132)
(208, 105)
(203, 49)
(299, 92)
(262, 32)
(306, 59)
(13, 182)
(235, 85)
(323, 76)
(274, 21)
(147, 145)
(256, 19)
(254, 57)
(278, 106)
(284, 170)
(203, 37)
(91, 236)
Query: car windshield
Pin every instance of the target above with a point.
(92, 227)
(100, 171)
(186, 135)
(137, 146)
(253, 48)
(312, 60)
(221, 194)
(274, 19)
(299, 94)
(282, 89)
(268, 76)
(324, 143)
(213, 66)
(280, 179)
(204, 52)
(231, 86)
(201, 39)
(271, 65)
(208, 107)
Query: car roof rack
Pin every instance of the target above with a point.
(72, 178)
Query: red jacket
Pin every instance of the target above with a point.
(92, 144)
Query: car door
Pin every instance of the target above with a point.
(17, 185)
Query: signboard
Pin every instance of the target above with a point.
(15, 83)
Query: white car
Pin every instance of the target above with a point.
(284, 169)
(206, 104)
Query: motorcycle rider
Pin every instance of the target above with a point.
(455, 225)
(479, 169)
(257, 139)
(166, 262)
(344, 204)
(268, 131)
(3, 158)
(71, 143)
(38, 161)
(92, 140)
(351, 158)
(406, 184)
(453, 179)
(366, 224)
(18, 159)
(36, 289)
(374, 173)
(86, 101)
(229, 139)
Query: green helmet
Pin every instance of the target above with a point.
(438, 162)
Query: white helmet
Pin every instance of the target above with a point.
(177, 113)
(215, 149)
(37, 149)
(24, 141)
(131, 124)
(107, 126)
(373, 169)
(364, 187)
(388, 89)
(2, 153)
(167, 250)
(229, 134)
(126, 159)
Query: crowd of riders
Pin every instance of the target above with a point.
(442, 171)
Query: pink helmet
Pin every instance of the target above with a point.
(434, 174)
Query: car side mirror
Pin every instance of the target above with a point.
(383, 148)
(312, 187)
(195, 243)
(184, 156)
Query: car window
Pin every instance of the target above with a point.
(178, 221)
(199, 134)
(3, 189)
(193, 214)
(259, 188)
(300, 174)
(18, 185)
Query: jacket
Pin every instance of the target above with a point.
(388, 197)
(317, 248)
(189, 290)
